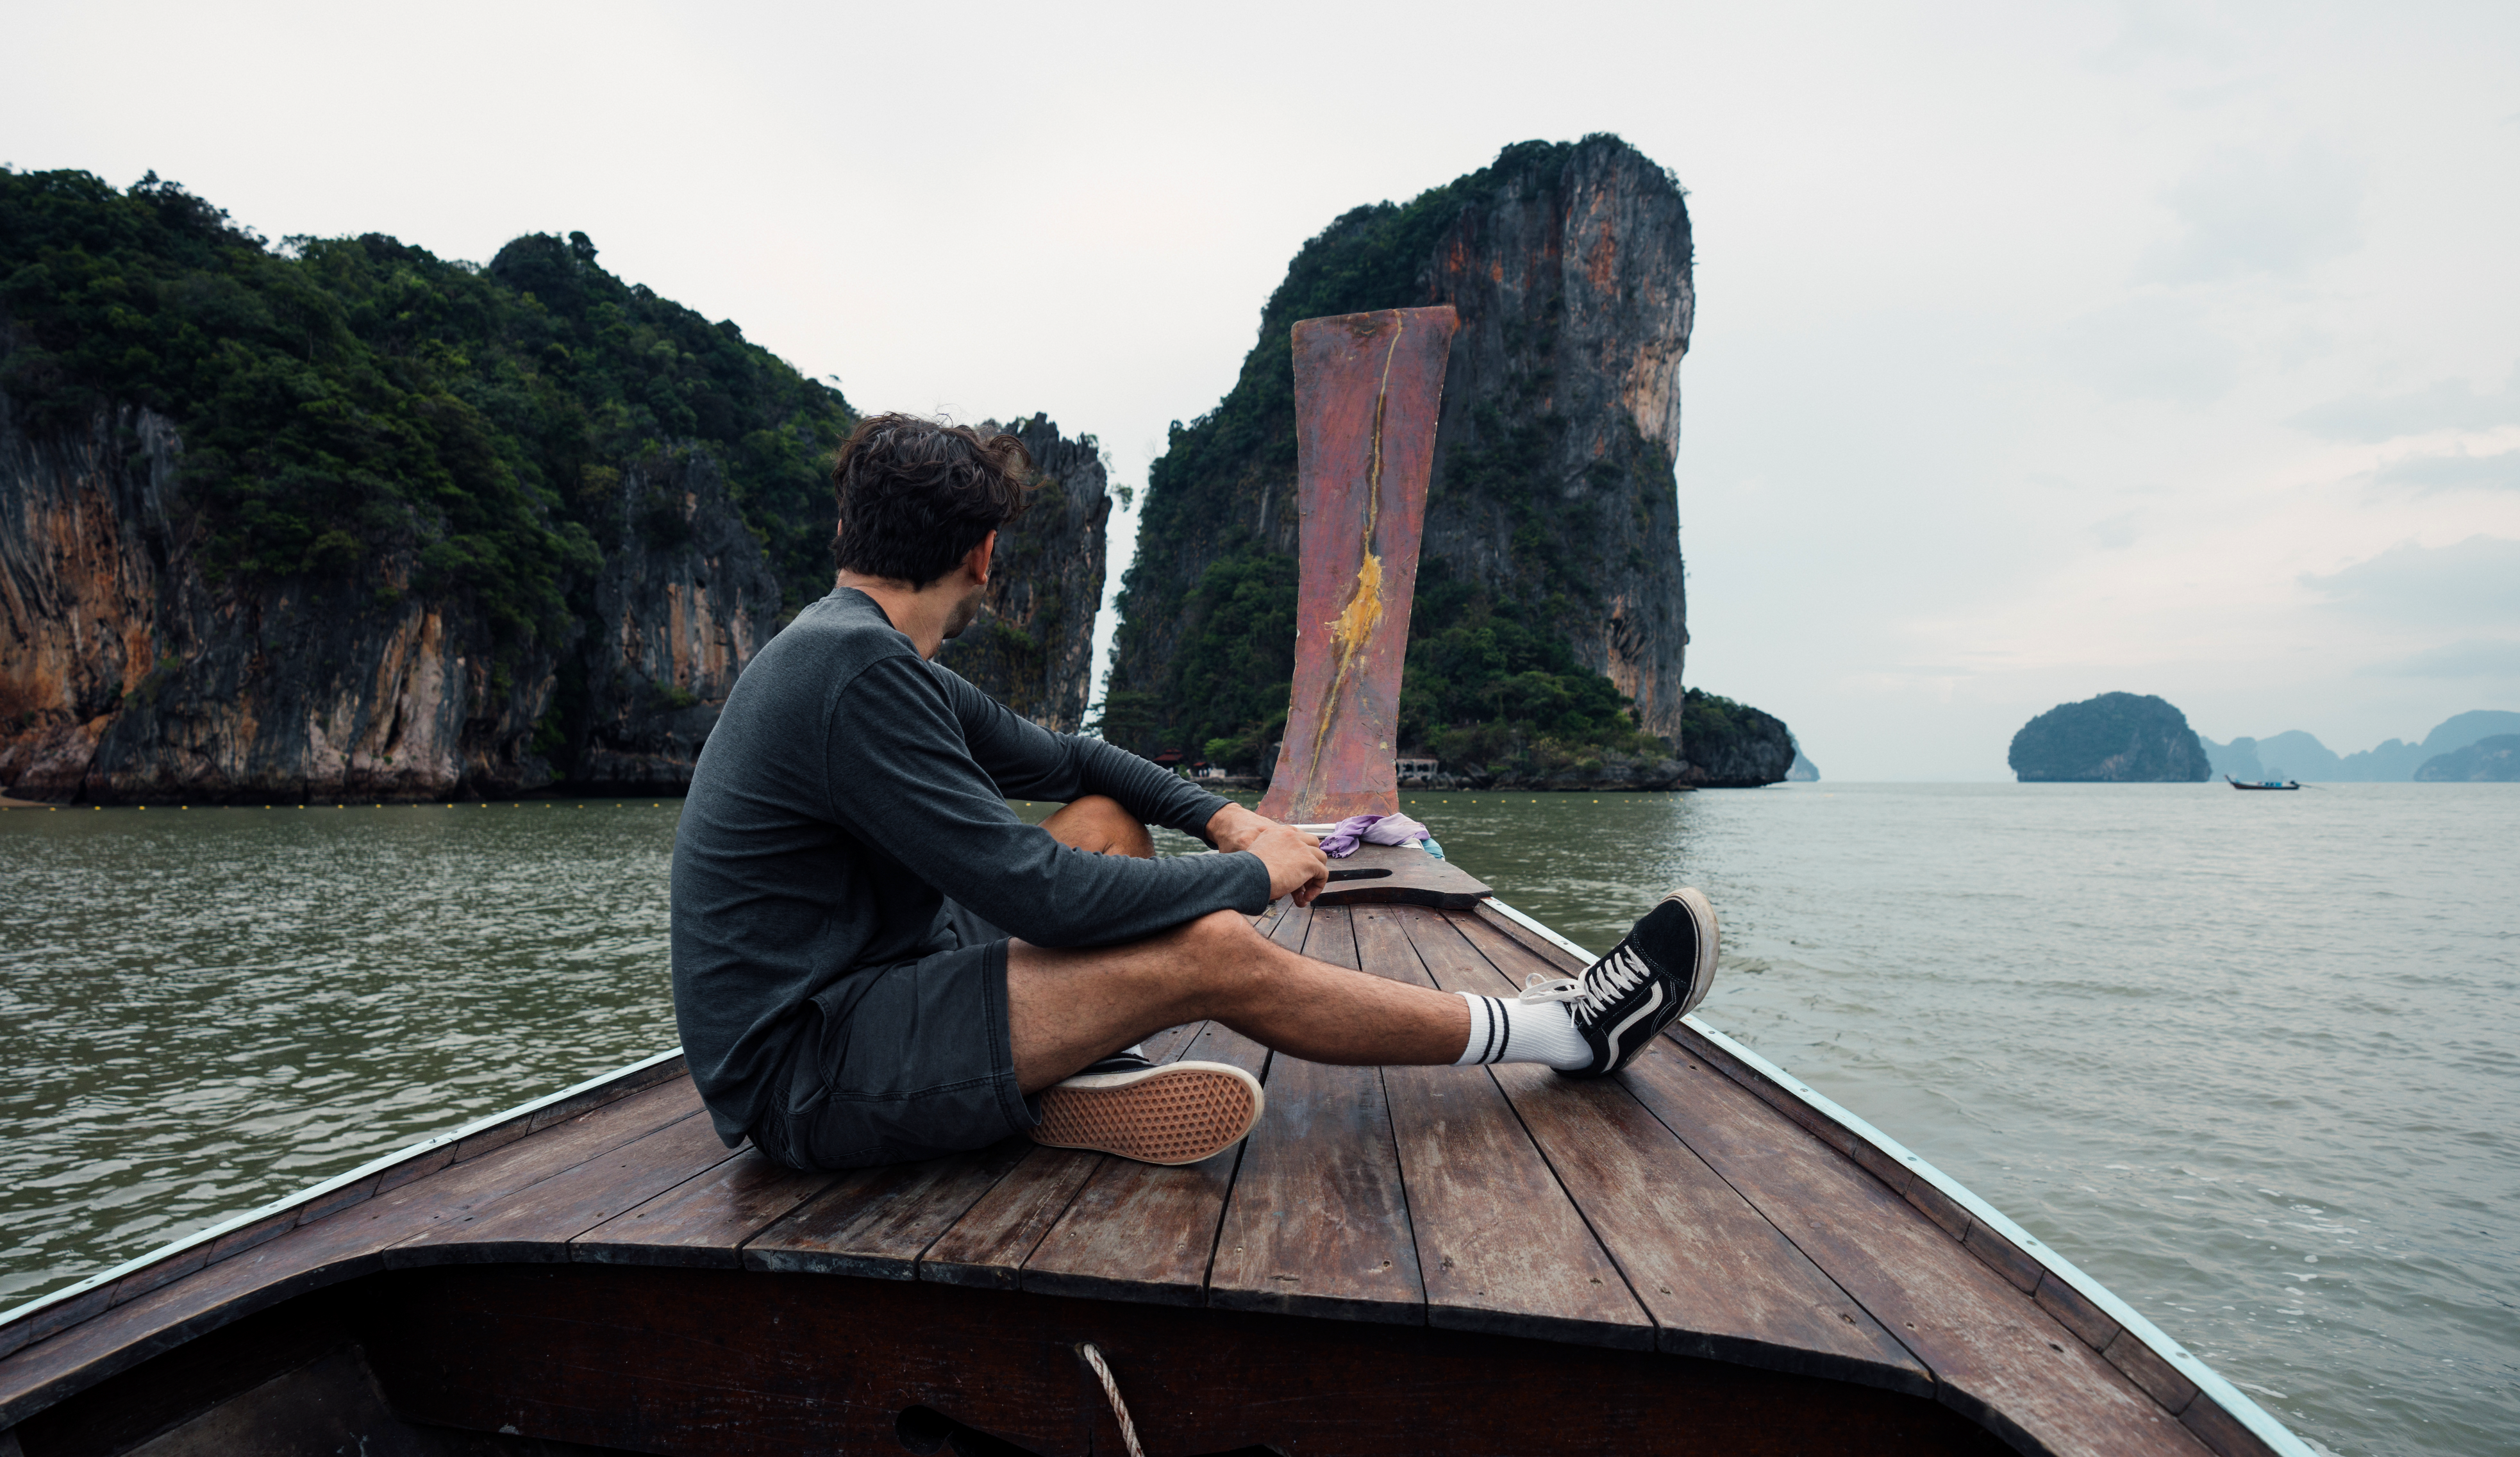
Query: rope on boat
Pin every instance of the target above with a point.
(1112, 1393)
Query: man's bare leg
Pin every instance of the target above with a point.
(1098, 823)
(1069, 1007)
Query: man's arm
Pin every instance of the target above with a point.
(900, 776)
(1030, 761)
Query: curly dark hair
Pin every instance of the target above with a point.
(915, 494)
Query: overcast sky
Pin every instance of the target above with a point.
(2042, 349)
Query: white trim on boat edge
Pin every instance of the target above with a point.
(2186, 1362)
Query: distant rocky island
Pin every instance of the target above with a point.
(2296, 755)
(2494, 760)
(2115, 738)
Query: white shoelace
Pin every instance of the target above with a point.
(1613, 977)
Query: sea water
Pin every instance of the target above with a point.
(2249, 1059)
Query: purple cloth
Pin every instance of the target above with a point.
(1370, 829)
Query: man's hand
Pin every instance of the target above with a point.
(1234, 827)
(1296, 864)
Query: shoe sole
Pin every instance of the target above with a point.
(1179, 1113)
(1710, 940)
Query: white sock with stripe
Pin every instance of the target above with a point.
(1503, 1029)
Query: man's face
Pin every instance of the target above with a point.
(967, 611)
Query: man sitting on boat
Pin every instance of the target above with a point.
(876, 960)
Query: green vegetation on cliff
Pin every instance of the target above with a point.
(358, 409)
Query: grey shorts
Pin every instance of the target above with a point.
(903, 1062)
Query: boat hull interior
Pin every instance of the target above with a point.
(574, 1359)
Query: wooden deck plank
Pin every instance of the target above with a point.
(1500, 1247)
(876, 1222)
(1997, 1356)
(1719, 1280)
(346, 1244)
(705, 1221)
(1172, 1041)
(986, 1248)
(1144, 1231)
(1318, 1223)
(1289, 927)
(1060, 1223)
(988, 1245)
(1560, 960)
(1399, 875)
(535, 1225)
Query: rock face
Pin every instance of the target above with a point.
(2114, 738)
(2488, 761)
(127, 675)
(1561, 409)
(1032, 648)
(84, 529)
(685, 598)
(1553, 505)
(1734, 746)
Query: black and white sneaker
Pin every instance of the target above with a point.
(1657, 974)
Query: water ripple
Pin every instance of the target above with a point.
(208, 1008)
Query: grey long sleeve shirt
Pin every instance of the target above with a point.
(849, 786)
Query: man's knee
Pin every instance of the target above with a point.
(1098, 823)
(1207, 956)
(1218, 931)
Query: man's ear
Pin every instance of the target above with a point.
(977, 561)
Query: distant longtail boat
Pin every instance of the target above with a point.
(2261, 783)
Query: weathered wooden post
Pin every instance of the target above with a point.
(1367, 388)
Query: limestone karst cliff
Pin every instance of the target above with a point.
(350, 521)
(1551, 585)
(685, 597)
(1032, 648)
(126, 674)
